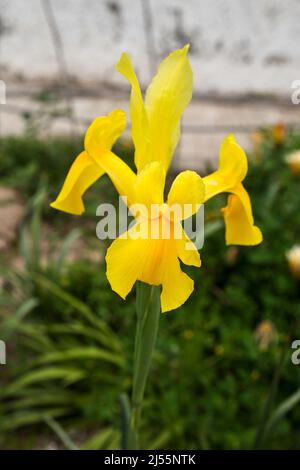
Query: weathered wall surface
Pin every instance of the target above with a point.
(237, 46)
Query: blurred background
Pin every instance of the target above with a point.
(222, 375)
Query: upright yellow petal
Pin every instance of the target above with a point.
(233, 167)
(233, 160)
(82, 174)
(166, 99)
(187, 193)
(138, 116)
(150, 185)
(240, 228)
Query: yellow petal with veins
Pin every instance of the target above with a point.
(166, 99)
(155, 123)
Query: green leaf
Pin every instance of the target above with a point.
(12, 321)
(78, 306)
(25, 418)
(67, 375)
(285, 407)
(100, 440)
(82, 353)
(61, 433)
(66, 245)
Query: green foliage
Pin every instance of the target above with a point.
(72, 338)
(26, 160)
(65, 352)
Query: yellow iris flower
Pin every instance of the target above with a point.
(155, 133)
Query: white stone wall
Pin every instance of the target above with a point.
(237, 46)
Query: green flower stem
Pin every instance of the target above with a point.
(148, 312)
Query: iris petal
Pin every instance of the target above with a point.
(155, 123)
(177, 286)
(233, 166)
(155, 261)
(232, 169)
(187, 192)
(239, 223)
(167, 96)
(186, 250)
(100, 137)
(124, 259)
(88, 167)
(138, 115)
(82, 174)
(150, 184)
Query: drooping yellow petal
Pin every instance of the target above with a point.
(233, 166)
(177, 286)
(82, 174)
(186, 250)
(150, 184)
(89, 166)
(186, 194)
(124, 260)
(240, 228)
(104, 131)
(135, 257)
(166, 99)
(138, 116)
(100, 137)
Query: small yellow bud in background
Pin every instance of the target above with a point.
(278, 133)
(293, 160)
(232, 255)
(265, 334)
(257, 139)
(219, 350)
(293, 257)
(255, 375)
(188, 334)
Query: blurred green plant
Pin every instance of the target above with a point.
(61, 347)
